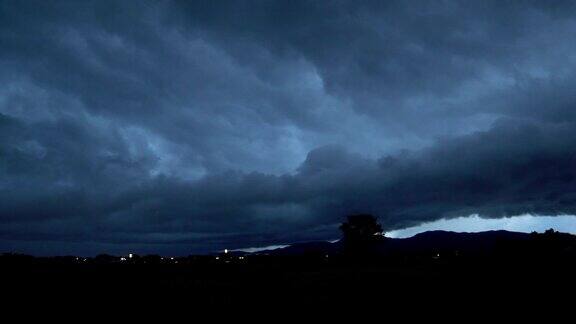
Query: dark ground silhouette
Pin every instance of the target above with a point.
(433, 271)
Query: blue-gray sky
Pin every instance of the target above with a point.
(185, 127)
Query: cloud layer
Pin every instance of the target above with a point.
(183, 127)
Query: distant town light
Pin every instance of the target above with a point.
(225, 251)
(130, 255)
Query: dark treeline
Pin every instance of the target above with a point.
(363, 241)
(364, 268)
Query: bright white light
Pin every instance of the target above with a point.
(130, 255)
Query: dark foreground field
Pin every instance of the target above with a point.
(292, 283)
(430, 275)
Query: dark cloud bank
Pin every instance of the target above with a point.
(182, 127)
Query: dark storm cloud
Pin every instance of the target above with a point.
(179, 127)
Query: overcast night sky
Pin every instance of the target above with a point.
(187, 127)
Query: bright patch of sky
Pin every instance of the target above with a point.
(263, 248)
(524, 223)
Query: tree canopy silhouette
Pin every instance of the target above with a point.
(361, 232)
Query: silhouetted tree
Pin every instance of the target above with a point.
(361, 234)
(550, 232)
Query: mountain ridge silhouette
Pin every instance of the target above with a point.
(436, 241)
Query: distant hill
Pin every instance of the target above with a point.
(445, 241)
(432, 242)
(308, 248)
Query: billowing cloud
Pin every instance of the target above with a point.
(182, 127)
